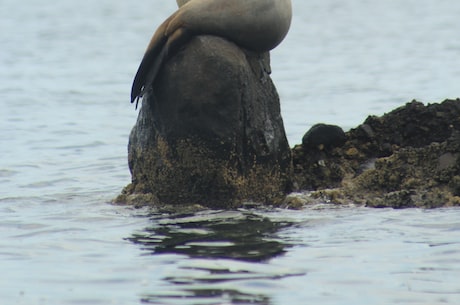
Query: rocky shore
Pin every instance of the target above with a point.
(210, 134)
(408, 157)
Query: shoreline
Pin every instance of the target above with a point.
(409, 157)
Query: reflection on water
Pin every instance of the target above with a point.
(233, 235)
(200, 296)
(65, 119)
(225, 250)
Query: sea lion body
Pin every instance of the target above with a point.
(257, 25)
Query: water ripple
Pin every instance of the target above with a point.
(65, 76)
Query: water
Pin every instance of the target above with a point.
(65, 75)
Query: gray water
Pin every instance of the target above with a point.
(65, 74)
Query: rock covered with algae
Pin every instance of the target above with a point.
(409, 157)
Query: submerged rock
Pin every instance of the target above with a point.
(210, 132)
(409, 157)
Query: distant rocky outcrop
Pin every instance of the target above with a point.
(409, 157)
(210, 132)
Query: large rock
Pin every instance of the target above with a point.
(210, 132)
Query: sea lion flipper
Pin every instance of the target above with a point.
(142, 73)
(153, 67)
(155, 46)
(167, 36)
(153, 59)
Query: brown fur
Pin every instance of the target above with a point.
(257, 25)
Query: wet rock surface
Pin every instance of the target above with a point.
(323, 137)
(408, 157)
(210, 132)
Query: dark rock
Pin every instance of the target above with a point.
(409, 157)
(414, 125)
(312, 166)
(210, 132)
(397, 199)
(324, 137)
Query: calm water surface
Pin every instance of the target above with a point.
(65, 75)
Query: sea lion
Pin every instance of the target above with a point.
(257, 25)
